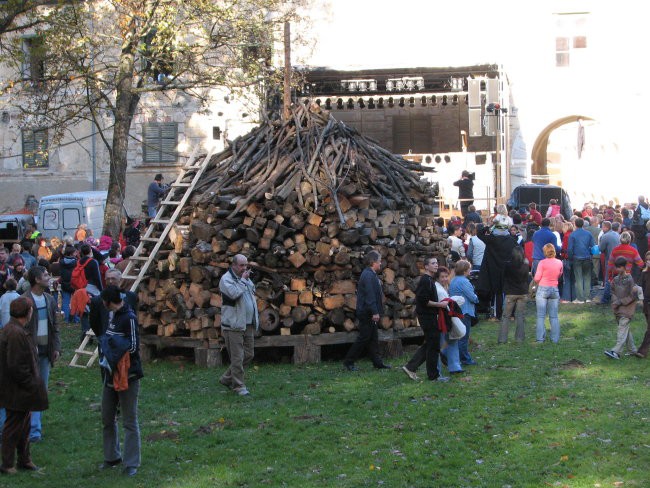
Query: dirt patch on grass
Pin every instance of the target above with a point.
(573, 364)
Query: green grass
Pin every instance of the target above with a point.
(524, 417)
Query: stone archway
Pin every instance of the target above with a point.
(539, 152)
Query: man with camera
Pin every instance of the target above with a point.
(239, 321)
(465, 191)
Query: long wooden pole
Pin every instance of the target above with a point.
(287, 71)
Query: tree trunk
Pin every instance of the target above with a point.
(125, 105)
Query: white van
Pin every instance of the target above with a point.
(59, 215)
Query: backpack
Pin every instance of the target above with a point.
(645, 212)
(78, 279)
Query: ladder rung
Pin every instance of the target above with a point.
(140, 258)
(160, 221)
(178, 185)
(149, 239)
(81, 351)
(171, 202)
(129, 277)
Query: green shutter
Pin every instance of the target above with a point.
(35, 149)
(159, 142)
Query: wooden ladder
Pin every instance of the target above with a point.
(162, 217)
(82, 352)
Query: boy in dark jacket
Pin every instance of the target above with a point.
(624, 298)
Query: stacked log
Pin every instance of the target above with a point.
(304, 200)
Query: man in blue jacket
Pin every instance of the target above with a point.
(542, 237)
(580, 243)
(370, 307)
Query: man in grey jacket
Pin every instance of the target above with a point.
(239, 320)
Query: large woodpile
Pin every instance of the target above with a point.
(304, 200)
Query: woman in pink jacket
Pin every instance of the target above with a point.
(548, 273)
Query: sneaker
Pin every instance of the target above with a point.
(639, 355)
(350, 367)
(442, 379)
(242, 391)
(612, 354)
(409, 373)
(471, 362)
(226, 384)
(587, 300)
(578, 302)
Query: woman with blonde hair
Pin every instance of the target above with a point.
(547, 299)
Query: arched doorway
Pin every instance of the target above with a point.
(539, 152)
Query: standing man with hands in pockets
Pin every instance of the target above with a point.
(239, 321)
(370, 307)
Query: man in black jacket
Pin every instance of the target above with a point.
(370, 307)
(427, 307)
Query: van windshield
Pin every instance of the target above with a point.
(51, 219)
(70, 218)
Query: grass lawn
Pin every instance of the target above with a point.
(527, 416)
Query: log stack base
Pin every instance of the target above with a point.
(306, 348)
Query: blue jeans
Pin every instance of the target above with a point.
(452, 355)
(463, 342)
(3, 417)
(65, 304)
(607, 292)
(568, 291)
(582, 275)
(547, 300)
(35, 431)
(85, 324)
(152, 210)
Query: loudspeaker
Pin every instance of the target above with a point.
(475, 129)
(474, 93)
(492, 86)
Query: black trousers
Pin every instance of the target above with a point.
(367, 340)
(15, 437)
(429, 351)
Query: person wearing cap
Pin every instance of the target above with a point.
(154, 194)
(465, 191)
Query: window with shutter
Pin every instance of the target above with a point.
(159, 142)
(35, 149)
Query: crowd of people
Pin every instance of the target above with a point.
(77, 279)
(496, 264)
(517, 255)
